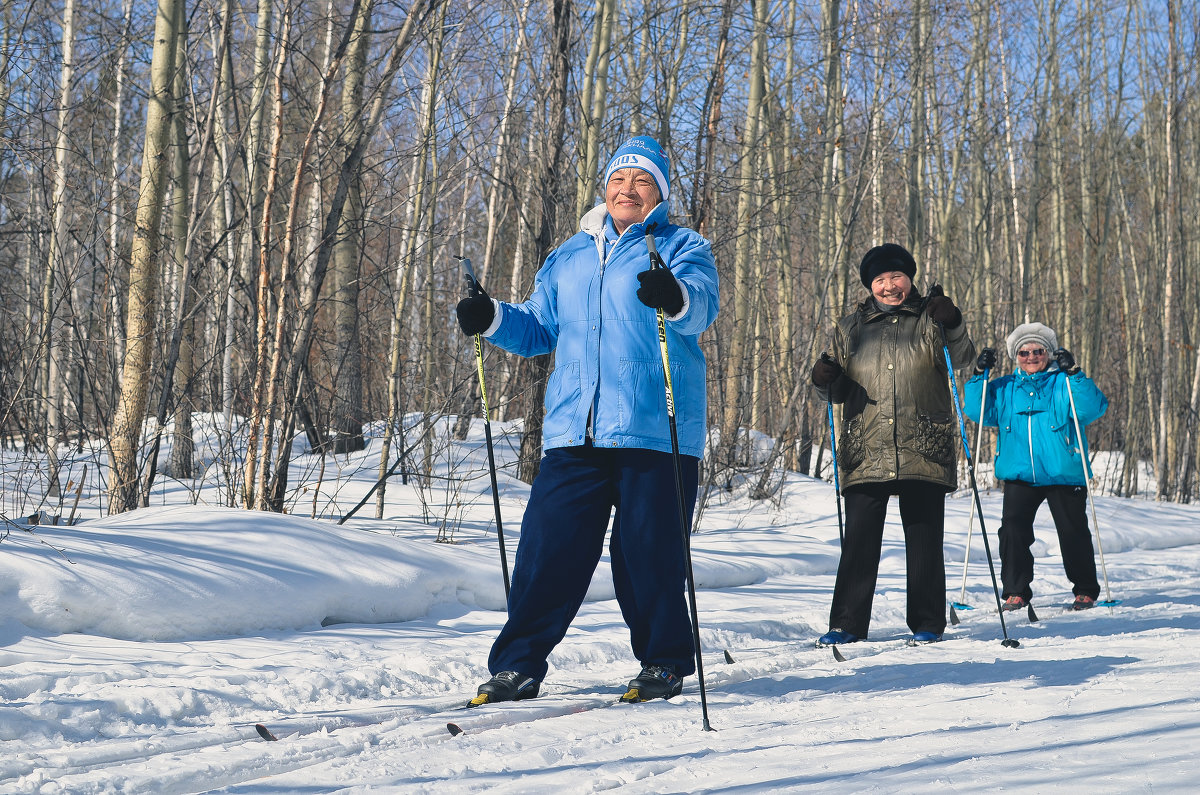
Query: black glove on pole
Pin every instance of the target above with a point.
(986, 361)
(825, 371)
(475, 312)
(660, 290)
(942, 310)
(1066, 362)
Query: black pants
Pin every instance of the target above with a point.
(1068, 506)
(922, 510)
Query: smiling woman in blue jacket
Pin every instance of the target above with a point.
(1038, 456)
(606, 435)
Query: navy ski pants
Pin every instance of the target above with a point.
(1068, 507)
(922, 510)
(562, 539)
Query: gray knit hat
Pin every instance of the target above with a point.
(1031, 332)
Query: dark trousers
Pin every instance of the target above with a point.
(562, 539)
(1068, 506)
(922, 510)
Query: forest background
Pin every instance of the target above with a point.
(247, 213)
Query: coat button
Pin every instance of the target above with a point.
(891, 422)
(889, 366)
(891, 474)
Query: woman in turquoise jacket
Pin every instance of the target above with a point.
(1038, 457)
(606, 435)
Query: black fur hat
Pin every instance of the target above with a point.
(886, 258)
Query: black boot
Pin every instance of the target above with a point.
(654, 681)
(506, 686)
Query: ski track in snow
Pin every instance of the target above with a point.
(143, 665)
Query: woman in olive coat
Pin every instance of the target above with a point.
(899, 437)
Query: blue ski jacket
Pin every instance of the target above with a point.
(1036, 442)
(607, 382)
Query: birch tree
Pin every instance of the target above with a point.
(56, 277)
(144, 288)
(346, 422)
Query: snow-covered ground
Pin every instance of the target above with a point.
(138, 651)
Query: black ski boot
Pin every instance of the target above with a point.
(654, 681)
(506, 686)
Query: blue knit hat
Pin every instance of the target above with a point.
(642, 152)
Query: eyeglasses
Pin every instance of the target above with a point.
(1034, 352)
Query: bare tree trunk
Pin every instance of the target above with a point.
(706, 139)
(500, 171)
(918, 143)
(1166, 395)
(537, 369)
(787, 275)
(263, 23)
(738, 345)
(56, 279)
(983, 189)
(262, 413)
(224, 209)
(143, 272)
(346, 422)
(831, 233)
(425, 223)
(183, 446)
(1021, 305)
(114, 331)
(594, 84)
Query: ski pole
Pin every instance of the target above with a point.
(962, 426)
(961, 603)
(837, 486)
(655, 263)
(1109, 601)
(473, 289)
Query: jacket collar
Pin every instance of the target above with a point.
(593, 220)
(869, 310)
(1037, 377)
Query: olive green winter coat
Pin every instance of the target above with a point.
(898, 422)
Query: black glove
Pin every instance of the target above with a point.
(986, 360)
(1066, 362)
(825, 371)
(942, 310)
(659, 290)
(475, 312)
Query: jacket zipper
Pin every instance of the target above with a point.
(1029, 430)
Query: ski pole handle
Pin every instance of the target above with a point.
(472, 284)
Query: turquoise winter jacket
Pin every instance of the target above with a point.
(607, 360)
(1036, 442)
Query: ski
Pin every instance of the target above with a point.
(307, 724)
(302, 725)
(871, 649)
(880, 647)
(511, 713)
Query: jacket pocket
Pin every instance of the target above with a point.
(642, 402)
(851, 449)
(563, 396)
(934, 439)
